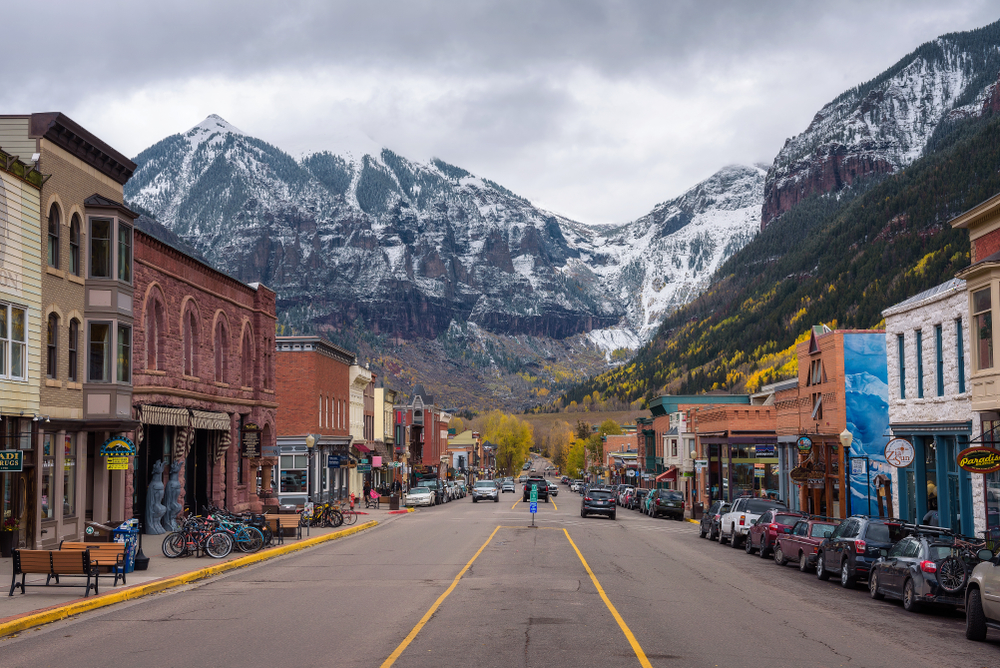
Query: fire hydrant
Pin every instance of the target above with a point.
(352, 500)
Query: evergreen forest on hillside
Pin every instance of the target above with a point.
(838, 259)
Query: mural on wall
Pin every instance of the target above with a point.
(866, 395)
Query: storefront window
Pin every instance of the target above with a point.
(983, 319)
(930, 467)
(48, 477)
(293, 473)
(69, 476)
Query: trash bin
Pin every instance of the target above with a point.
(128, 533)
(394, 502)
(99, 533)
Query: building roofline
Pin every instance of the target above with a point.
(976, 214)
(79, 142)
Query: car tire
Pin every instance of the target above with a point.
(910, 603)
(722, 537)
(734, 540)
(474, 499)
(779, 556)
(701, 532)
(847, 581)
(821, 568)
(764, 551)
(583, 513)
(803, 562)
(748, 544)
(613, 516)
(975, 618)
(873, 586)
(496, 499)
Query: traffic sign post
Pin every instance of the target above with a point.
(534, 502)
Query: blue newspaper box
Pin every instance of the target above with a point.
(128, 533)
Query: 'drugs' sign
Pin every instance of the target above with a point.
(979, 459)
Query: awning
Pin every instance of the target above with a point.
(669, 474)
(208, 420)
(164, 415)
(361, 447)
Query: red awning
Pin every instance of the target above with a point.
(669, 474)
(361, 447)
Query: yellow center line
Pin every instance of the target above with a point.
(554, 506)
(515, 504)
(643, 661)
(430, 613)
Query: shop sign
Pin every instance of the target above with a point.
(250, 438)
(117, 463)
(758, 470)
(700, 464)
(800, 475)
(979, 459)
(333, 461)
(364, 467)
(899, 452)
(804, 444)
(377, 462)
(11, 461)
(763, 450)
(270, 450)
(118, 446)
(630, 473)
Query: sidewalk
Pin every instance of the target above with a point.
(38, 599)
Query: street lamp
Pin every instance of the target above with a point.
(310, 443)
(846, 437)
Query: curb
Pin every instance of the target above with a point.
(53, 614)
(692, 521)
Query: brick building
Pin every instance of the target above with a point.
(204, 376)
(313, 380)
(423, 428)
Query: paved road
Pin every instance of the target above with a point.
(526, 600)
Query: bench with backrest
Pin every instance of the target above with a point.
(52, 564)
(109, 557)
(281, 523)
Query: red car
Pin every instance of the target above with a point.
(800, 545)
(766, 529)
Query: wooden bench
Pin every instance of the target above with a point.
(52, 564)
(109, 557)
(280, 523)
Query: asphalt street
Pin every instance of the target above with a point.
(525, 598)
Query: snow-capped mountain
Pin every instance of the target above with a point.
(411, 248)
(885, 124)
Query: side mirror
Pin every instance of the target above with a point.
(884, 552)
(984, 555)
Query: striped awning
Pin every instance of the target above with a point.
(165, 415)
(209, 420)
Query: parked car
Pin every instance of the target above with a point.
(854, 546)
(912, 572)
(668, 502)
(734, 525)
(801, 544)
(982, 611)
(419, 496)
(485, 490)
(709, 524)
(599, 501)
(764, 531)
(623, 490)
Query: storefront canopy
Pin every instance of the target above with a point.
(209, 420)
(361, 447)
(668, 475)
(165, 415)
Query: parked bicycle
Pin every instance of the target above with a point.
(198, 535)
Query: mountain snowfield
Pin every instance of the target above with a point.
(413, 247)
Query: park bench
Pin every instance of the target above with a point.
(52, 564)
(281, 523)
(107, 556)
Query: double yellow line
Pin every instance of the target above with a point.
(554, 506)
(639, 653)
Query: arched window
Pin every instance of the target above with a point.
(52, 339)
(190, 344)
(74, 245)
(154, 334)
(221, 352)
(54, 223)
(247, 360)
(74, 342)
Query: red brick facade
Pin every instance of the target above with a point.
(314, 387)
(986, 245)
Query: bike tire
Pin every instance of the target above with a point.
(218, 545)
(350, 517)
(249, 539)
(952, 574)
(336, 518)
(173, 545)
(268, 535)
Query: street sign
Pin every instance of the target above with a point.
(11, 460)
(534, 506)
(534, 496)
(857, 466)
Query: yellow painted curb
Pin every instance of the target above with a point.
(693, 521)
(138, 591)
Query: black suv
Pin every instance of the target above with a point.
(912, 571)
(599, 501)
(667, 502)
(543, 487)
(854, 546)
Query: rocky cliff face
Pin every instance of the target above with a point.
(884, 124)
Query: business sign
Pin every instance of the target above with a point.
(979, 459)
(759, 470)
(804, 444)
(11, 461)
(763, 450)
(118, 446)
(117, 463)
(899, 452)
(250, 440)
(377, 462)
(364, 467)
(700, 464)
(333, 461)
(857, 466)
(270, 450)
(630, 473)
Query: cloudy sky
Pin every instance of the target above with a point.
(597, 110)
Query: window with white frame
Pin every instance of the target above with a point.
(13, 342)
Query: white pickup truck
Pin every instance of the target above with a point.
(735, 524)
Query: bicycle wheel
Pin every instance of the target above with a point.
(218, 545)
(256, 539)
(336, 518)
(350, 517)
(248, 539)
(173, 545)
(268, 535)
(952, 574)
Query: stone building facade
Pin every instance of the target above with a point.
(930, 407)
(204, 375)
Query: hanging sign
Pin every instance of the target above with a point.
(364, 467)
(979, 459)
(117, 463)
(377, 462)
(333, 461)
(250, 438)
(804, 444)
(630, 473)
(700, 464)
(899, 452)
(118, 446)
(763, 450)
(11, 461)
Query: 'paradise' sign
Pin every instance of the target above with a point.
(979, 459)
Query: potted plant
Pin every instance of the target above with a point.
(8, 529)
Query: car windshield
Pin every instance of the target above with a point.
(600, 494)
(484, 483)
(884, 533)
(420, 490)
(819, 530)
(787, 520)
(761, 506)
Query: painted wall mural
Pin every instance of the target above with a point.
(867, 410)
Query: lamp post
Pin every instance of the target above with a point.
(310, 443)
(846, 438)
